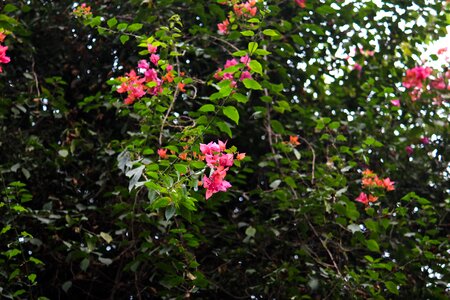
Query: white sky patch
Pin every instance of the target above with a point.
(433, 48)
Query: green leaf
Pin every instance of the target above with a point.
(270, 32)
(9, 8)
(106, 237)
(181, 168)
(262, 52)
(372, 245)
(32, 277)
(66, 286)
(252, 46)
(247, 33)
(232, 113)
(161, 202)
(223, 127)
(13, 252)
(170, 211)
(134, 27)
(325, 9)
(240, 98)
(240, 53)
(122, 26)
(392, 287)
(207, 108)
(250, 231)
(255, 66)
(251, 84)
(277, 126)
(124, 38)
(63, 153)
(84, 264)
(111, 22)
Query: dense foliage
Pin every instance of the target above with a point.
(224, 149)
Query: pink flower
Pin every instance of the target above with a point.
(230, 63)
(3, 58)
(223, 27)
(363, 198)
(438, 84)
(143, 64)
(425, 140)
(226, 160)
(357, 67)
(301, 3)
(409, 150)
(415, 77)
(154, 58)
(210, 148)
(388, 184)
(395, 102)
(217, 75)
(211, 160)
(222, 145)
(245, 75)
(245, 60)
(227, 76)
(152, 49)
(216, 183)
(169, 68)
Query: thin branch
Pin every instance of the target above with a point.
(225, 42)
(324, 246)
(313, 159)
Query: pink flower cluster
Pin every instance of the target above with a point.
(149, 83)
(221, 75)
(219, 161)
(244, 10)
(416, 76)
(3, 58)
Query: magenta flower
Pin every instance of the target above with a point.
(152, 49)
(216, 183)
(395, 102)
(409, 150)
(210, 148)
(230, 63)
(357, 67)
(415, 77)
(143, 64)
(3, 58)
(425, 140)
(154, 58)
(245, 75)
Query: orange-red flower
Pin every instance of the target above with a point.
(181, 87)
(240, 156)
(163, 153)
(183, 155)
(293, 140)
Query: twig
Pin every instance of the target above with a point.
(313, 159)
(225, 42)
(36, 82)
(324, 246)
